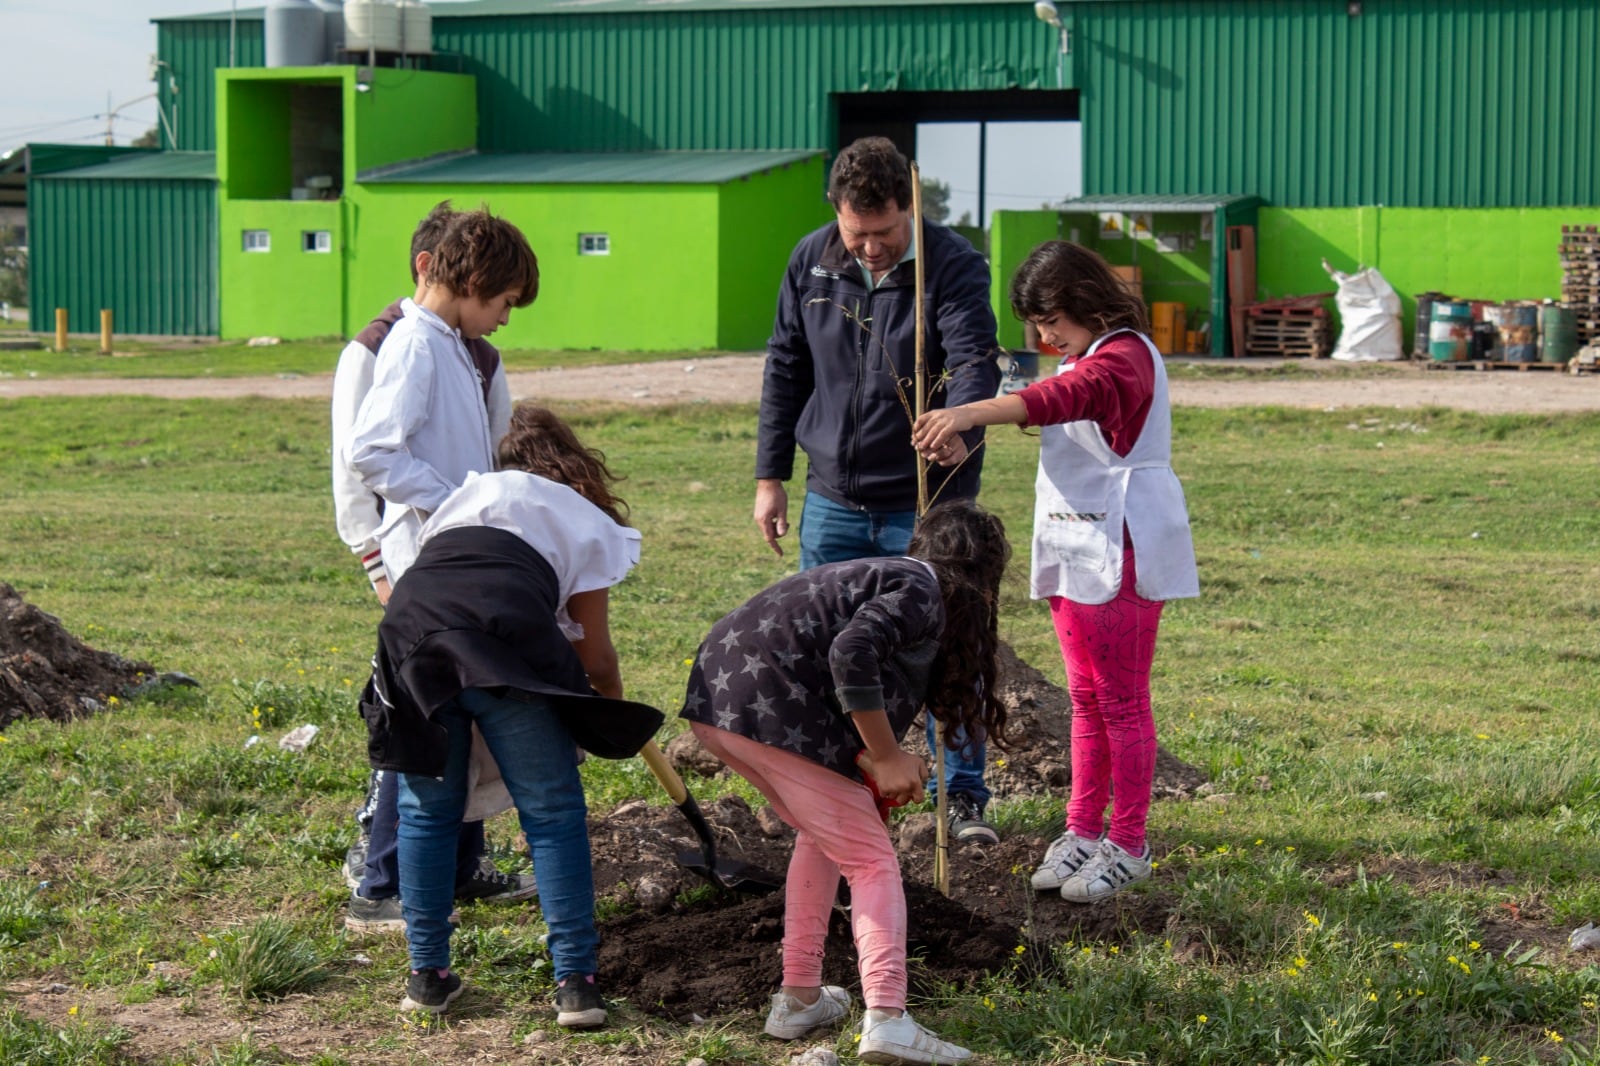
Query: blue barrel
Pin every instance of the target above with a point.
(1450, 332)
(1519, 333)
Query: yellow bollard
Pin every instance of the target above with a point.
(105, 331)
(61, 329)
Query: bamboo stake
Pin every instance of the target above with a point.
(941, 828)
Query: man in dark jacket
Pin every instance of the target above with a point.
(840, 379)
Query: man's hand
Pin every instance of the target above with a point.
(772, 511)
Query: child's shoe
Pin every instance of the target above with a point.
(892, 1040)
(789, 1019)
(1065, 855)
(431, 990)
(1108, 872)
(579, 1004)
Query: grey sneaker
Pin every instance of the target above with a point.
(966, 821)
(355, 864)
(364, 915)
(579, 1004)
(789, 1019)
(1108, 872)
(886, 1039)
(1063, 858)
(489, 885)
(427, 990)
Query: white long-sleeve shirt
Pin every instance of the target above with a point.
(422, 428)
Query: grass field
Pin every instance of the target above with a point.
(1390, 674)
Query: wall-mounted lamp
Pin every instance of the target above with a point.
(1046, 12)
(363, 79)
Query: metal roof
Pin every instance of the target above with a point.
(586, 168)
(492, 8)
(1154, 204)
(171, 166)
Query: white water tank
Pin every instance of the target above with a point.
(371, 25)
(416, 28)
(295, 36)
(332, 26)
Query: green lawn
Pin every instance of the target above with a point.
(1391, 670)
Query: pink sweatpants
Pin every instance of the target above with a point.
(1108, 648)
(837, 831)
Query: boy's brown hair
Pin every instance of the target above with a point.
(539, 442)
(1078, 282)
(482, 256)
(425, 238)
(869, 175)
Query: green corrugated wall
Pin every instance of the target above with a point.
(146, 249)
(1464, 103)
(1423, 103)
(193, 50)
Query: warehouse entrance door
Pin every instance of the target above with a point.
(992, 149)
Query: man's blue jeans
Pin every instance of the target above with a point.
(833, 533)
(539, 762)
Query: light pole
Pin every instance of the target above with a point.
(1046, 12)
(111, 112)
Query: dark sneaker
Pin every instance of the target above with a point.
(429, 991)
(578, 1004)
(355, 864)
(489, 885)
(966, 821)
(365, 915)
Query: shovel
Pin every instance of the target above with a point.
(724, 873)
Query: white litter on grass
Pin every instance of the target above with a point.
(261, 342)
(1584, 938)
(1375, 797)
(252, 741)
(298, 739)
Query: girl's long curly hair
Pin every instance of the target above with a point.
(1066, 277)
(539, 442)
(967, 548)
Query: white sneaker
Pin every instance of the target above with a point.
(789, 1019)
(1110, 871)
(887, 1039)
(1062, 858)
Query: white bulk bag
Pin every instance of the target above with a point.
(1369, 309)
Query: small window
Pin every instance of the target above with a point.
(257, 240)
(594, 244)
(316, 240)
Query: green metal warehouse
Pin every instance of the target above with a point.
(1444, 142)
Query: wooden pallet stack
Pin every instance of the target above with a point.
(1580, 279)
(1297, 326)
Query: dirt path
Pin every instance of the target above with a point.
(737, 379)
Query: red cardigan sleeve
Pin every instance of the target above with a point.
(1113, 387)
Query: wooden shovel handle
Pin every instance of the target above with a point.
(656, 759)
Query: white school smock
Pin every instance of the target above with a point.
(585, 548)
(1085, 493)
(423, 427)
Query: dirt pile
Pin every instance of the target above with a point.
(723, 952)
(46, 672)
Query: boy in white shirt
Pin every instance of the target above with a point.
(410, 424)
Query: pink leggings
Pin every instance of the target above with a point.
(837, 830)
(1108, 648)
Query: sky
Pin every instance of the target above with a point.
(73, 68)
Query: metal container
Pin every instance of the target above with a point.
(1519, 333)
(1450, 332)
(1558, 334)
(296, 34)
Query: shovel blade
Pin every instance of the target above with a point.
(730, 873)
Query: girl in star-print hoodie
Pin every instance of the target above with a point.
(806, 691)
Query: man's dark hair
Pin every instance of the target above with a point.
(869, 175)
(483, 256)
(425, 238)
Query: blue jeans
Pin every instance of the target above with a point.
(382, 816)
(833, 533)
(539, 762)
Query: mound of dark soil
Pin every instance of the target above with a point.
(724, 952)
(46, 672)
